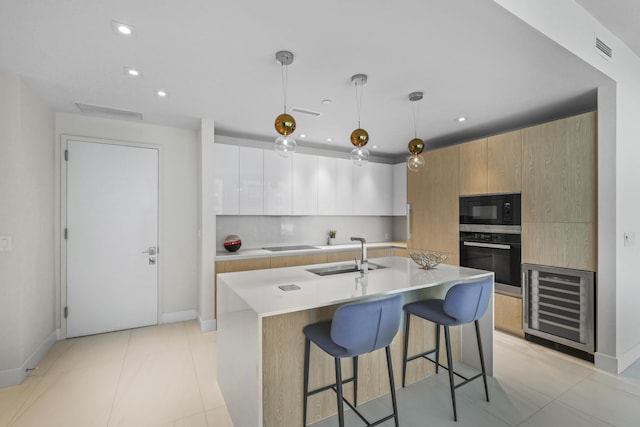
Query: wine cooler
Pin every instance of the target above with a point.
(559, 306)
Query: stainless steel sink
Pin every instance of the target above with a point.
(341, 268)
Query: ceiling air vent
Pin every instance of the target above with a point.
(603, 49)
(106, 111)
(303, 111)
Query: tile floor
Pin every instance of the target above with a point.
(166, 376)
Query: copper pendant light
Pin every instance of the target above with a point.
(359, 137)
(285, 124)
(415, 162)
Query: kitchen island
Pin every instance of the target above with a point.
(260, 343)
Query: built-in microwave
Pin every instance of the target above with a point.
(491, 209)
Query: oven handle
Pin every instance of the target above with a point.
(487, 245)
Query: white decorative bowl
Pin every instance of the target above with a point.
(428, 259)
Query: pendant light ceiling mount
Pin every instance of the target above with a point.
(285, 124)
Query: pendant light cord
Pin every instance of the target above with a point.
(358, 101)
(284, 86)
(413, 105)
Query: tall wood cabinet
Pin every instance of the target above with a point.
(559, 195)
(433, 196)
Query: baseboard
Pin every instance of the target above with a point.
(178, 316)
(207, 325)
(628, 358)
(16, 376)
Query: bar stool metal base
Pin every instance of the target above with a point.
(337, 388)
(436, 351)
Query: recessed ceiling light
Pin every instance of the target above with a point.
(326, 101)
(374, 147)
(303, 136)
(122, 29)
(161, 93)
(133, 72)
(328, 139)
(461, 119)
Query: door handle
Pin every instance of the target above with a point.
(151, 251)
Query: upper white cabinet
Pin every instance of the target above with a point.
(277, 183)
(304, 185)
(400, 189)
(250, 181)
(373, 189)
(327, 185)
(344, 187)
(253, 181)
(225, 184)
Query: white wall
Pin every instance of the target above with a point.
(27, 284)
(178, 201)
(260, 231)
(565, 22)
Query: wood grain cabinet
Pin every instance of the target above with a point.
(433, 196)
(559, 186)
(504, 163)
(508, 314)
(492, 165)
(473, 167)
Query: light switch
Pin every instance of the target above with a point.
(629, 238)
(5, 244)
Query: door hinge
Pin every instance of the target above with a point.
(66, 155)
(66, 312)
(66, 233)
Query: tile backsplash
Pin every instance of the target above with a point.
(260, 231)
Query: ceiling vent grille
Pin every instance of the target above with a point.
(303, 111)
(106, 111)
(603, 49)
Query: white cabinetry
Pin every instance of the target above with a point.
(400, 189)
(327, 185)
(250, 181)
(304, 185)
(225, 181)
(372, 189)
(344, 187)
(277, 184)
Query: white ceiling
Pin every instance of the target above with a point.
(621, 17)
(216, 60)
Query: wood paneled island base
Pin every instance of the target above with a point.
(261, 344)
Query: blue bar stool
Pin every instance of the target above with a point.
(356, 329)
(463, 303)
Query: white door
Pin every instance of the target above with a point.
(112, 222)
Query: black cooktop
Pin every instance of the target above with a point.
(289, 248)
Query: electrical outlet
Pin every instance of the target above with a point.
(5, 244)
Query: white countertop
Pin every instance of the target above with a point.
(260, 288)
(263, 253)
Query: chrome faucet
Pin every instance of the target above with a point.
(364, 263)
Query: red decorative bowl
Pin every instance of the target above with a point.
(232, 243)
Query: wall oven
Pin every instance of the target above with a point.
(490, 238)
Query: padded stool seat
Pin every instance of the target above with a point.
(355, 329)
(463, 303)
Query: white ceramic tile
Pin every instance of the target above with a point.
(157, 339)
(12, 399)
(92, 351)
(558, 414)
(205, 362)
(157, 388)
(604, 402)
(197, 420)
(219, 417)
(78, 397)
